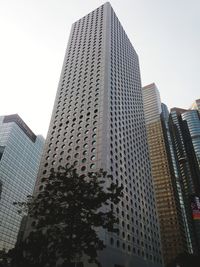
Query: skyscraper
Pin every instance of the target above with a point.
(98, 122)
(196, 105)
(185, 129)
(169, 211)
(192, 119)
(20, 155)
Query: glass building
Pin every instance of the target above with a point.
(192, 118)
(176, 182)
(173, 237)
(98, 122)
(184, 128)
(20, 154)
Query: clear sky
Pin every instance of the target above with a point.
(34, 35)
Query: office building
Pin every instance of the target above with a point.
(20, 155)
(176, 181)
(196, 105)
(192, 119)
(185, 129)
(98, 122)
(169, 211)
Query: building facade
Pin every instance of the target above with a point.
(192, 119)
(98, 122)
(196, 105)
(176, 181)
(20, 155)
(169, 211)
(184, 128)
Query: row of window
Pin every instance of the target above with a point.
(76, 125)
(126, 96)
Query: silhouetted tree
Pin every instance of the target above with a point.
(3, 258)
(65, 216)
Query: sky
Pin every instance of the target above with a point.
(34, 36)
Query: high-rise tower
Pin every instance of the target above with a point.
(196, 105)
(192, 119)
(20, 155)
(169, 209)
(98, 122)
(185, 132)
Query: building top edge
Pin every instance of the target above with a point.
(149, 86)
(21, 124)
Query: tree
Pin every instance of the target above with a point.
(65, 216)
(3, 258)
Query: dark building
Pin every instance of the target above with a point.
(185, 132)
(176, 181)
(98, 122)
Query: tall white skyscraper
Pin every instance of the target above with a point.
(98, 122)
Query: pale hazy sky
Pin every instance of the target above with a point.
(34, 35)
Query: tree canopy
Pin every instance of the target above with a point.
(65, 216)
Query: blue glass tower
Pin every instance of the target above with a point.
(20, 153)
(193, 123)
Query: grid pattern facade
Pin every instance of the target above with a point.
(172, 235)
(98, 122)
(152, 107)
(19, 165)
(176, 181)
